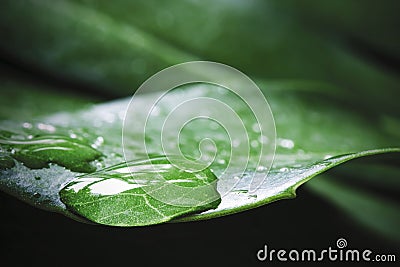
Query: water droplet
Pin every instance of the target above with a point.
(327, 156)
(261, 168)
(30, 136)
(36, 195)
(99, 141)
(46, 127)
(235, 143)
(283, 169)
(286, 143)
(6, 162)
(72, 135)
(27, 125)
(256, 127)
(254, 143)
(154, 176)
(39, 152)
(221, 161)
(37, 178)
(263, 139)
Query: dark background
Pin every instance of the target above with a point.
(266, 40)
(38, 238)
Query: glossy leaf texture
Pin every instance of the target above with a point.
(314, 128)
(116, 196)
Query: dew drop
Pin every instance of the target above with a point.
(254, 143)
(46, 127)
(283, 169)
(99, 165)
(261, 168)
(36, 195)
(221, 161)
(286, 143)
(235, 143)
(263, 139)
(256, 127)
(39, 152)
(27, 125)
(99, 141)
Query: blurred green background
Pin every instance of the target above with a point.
(62, 55)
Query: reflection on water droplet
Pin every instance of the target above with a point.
(36, 195)
(38, 152)
(254, 143)
(99, 165)
(263, 139)
(6, 162)
(112, 187)
(286, 143)
(256, 127)
(27, 125)
(283, 169)
(99, 141)
(221, 161)
(261, 168)
(72, 135)
(235, 143)
(30, 136)
(157, 177)
(46, 127)
(327, 156)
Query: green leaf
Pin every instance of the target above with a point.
(119, 45)
(282, 184)
(119, 196)
(313, 127)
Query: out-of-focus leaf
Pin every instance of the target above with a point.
(370, 210)
(369, 22)
(119, 44)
